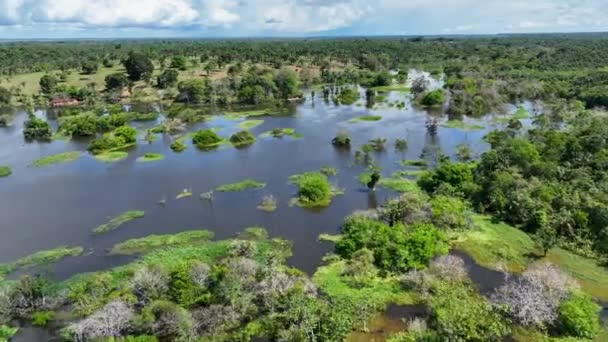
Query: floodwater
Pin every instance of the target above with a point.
(43, 208)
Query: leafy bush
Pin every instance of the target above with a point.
(457, 176)
(449, 212)
(178, 146)
(206, 138)
(167, 79)
(120, 137)
(433, 98)
(36, 129)
(314, 189)
(42, 318)
(128, 134)
(242, 138)
(342, 139)
(79, 125)
(578, 316)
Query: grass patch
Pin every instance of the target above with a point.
(592, 277)
(119, 220)
(64, 157)
(185, 193)
(399, 184)
(150, 157)
(39, 258)
(378, 291)
(366, 118)
(151, 242)
(329, 237)
(254, 113)
(240, 186)
(393, 87)
(5, 171)
(110, 157)
(493, 244)
(459, 124)
(520, 113)
(408, 173)
(249, 124)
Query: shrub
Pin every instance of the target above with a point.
(129, 134)
(578, 316)
(314, 189)
(36, 129)
(42, 318)
(178, 146)
(342, 139)
(449, 212)
(5, 171)
(167, 321)
(455, 175)
(167, 79)
(79, 125)
(206, 138)
(242, 138)
(433, 98)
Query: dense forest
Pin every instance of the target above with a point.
(533, 205)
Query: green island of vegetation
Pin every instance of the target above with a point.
(460, 124)
(39, 258)
(242, 139)
(366, 118)
(5, 171)
(241, 186)
(151, 242)
(184, 194)
(64, 157)
(314, 190)
(249, 124)
(112, 156)
(281, 132)
(393, 87)
(118, 221)
(207, 139)
(268, 204)
(150, 157)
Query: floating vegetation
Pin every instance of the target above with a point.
(520, 113)
(281, 132)
(408, 173)
(367, 118)
(347, 96)
(178, 146)
(207, 196)
(64, 157)
(376, 144)
(268, 204)
(459, 124)
(240, 186)
(249, 124)
(119, 220)
(328, 170)
(109, 157)
(242, 139)
(5, 171)
(151, 242)
(342, 139)
(254, 113)
(39, 258)
(185, 193)
(417, 163)
(150, 157)
(393, 87)
(329, 237)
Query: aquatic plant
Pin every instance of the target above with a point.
(207, 196)
(240, 186)
(185, 193)
(178, 146)
(377, 144)
(459, 124)
(365, 118)
(206, 138)
(151, 242)
(249, 124)
(5, 171)
(109, 157)
(328, 170)
(417, 163)
(314, 190)
(242, 138)
(39, 258)
(64, 157)
(280, 132)
(400, 144)
(268, 204)
(36, 129)
(347, 96)
(118, 221)
(342, 139)
(150, 157)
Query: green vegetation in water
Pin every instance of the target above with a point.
(5, 171)
(254, 113)
(64, 157)
(150, 157)
(520, 113)
(42, 318)
(7, 332)
(183, 194)
(110, 157)
(39, 258)
(152, 242)
(178, 146)
(240, 186)
(329, 237)
(206, 139)
(399, 184)
(118, 221)
(314, 190)
(281, 132)
(393, 87)
(416, 163)
(328, 170)
(242, 139)
(268, 204)
(460, 124)
(249, 124)
(347, 96)
(365, 118)
(407, 173)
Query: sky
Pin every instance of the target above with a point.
(25, 19)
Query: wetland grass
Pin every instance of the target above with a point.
(118, 221)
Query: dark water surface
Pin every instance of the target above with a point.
(42, 208)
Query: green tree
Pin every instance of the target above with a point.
(138, 66)
(48, 83)
(5, 96)
(179, 62)
(167, 79)
(116, 81)
(578, 316)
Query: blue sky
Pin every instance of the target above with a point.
(243, 18)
